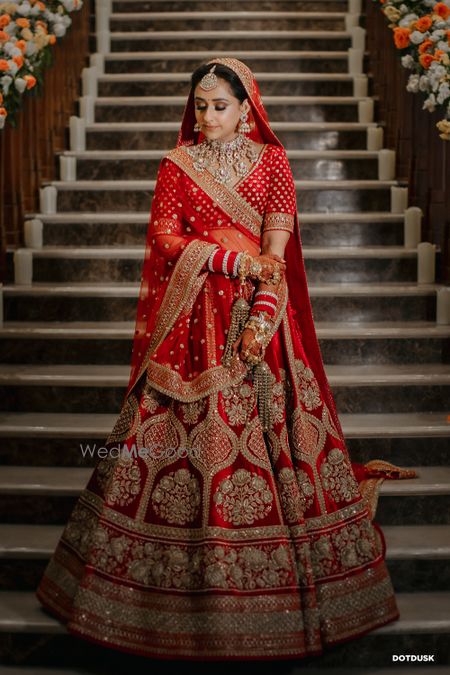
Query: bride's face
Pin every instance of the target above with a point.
(217, 111)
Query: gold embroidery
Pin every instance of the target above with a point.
(127, 422)
(278, 221)
(291, 499)
(231, 203)
(306, 489)
(239, 402)
(168, 381)
(243, 497)
(176, 498)
(179, 291)
(309, 391)
(192, 411)
(337, 476)
(124, 482)
(244, 73)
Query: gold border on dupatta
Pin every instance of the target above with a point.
(179, 292)
(230, 201)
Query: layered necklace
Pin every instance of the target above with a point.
(225, 156)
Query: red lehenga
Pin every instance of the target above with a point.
(226, 541)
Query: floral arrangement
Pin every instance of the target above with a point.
(28, 28)
(421, 31)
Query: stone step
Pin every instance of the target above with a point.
(270, 83)
(280, 108)
(144, 164)
(323, 264)
(107, 301)
(30, 670)
(416, 555)
(300, 136)
(352, 344)
(57, 439)
(329, 195)
(231, 5)
(100, 388)
(423, 621)
(273, 61)
(225, 21)
(190, 40)
(128, 228)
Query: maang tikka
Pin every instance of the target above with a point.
(209, 81)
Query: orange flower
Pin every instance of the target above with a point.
(18, 60)
(401, 37)
(4, 20)
(23, 23)
(41, 6)
(4, 64)
(3, 112)
(426, 60)
(43, 25)
(4, 37)
(52, 39)
(441, 9)
(424, 46)
(438, 53)
(423, 23)
(21, 44)
(30, 80)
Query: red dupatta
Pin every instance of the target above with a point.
(155, 282)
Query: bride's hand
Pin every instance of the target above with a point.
(243, 342)
(268, 262)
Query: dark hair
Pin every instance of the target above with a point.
(226, 74)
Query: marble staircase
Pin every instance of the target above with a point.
(66, 338)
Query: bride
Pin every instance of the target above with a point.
(231, 523)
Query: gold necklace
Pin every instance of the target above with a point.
(227, 155)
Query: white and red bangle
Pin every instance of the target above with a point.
(265, 301)
(225, 261)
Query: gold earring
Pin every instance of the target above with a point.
(196, 127)
(244, 126)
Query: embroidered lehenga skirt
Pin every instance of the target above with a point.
(219, 534)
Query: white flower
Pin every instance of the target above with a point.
(31, 48)
(2, 121)
(443, 46)
(13, 67)
(407, 61)
(6, 83)
(59, 30)
(35, 10)
(24, 8)
(436, 35)
(20, 84)
(413, 84)
(407, 19)
(429, 103)
(417, 37)
(15, 51)
(424, 83)
(444, 92)
(8, 47)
